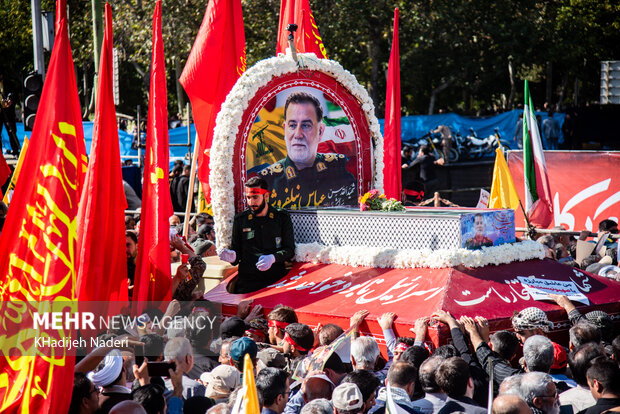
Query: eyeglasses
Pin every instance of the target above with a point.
(96, 389)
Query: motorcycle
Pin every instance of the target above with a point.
(479, 147)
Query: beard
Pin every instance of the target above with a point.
(259, 208)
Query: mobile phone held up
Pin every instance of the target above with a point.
(160, 369)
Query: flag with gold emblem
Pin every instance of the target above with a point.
(152, 278)
(37, 257)
(215, 63)
(307, 38)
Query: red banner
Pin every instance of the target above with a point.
(37, 259)
(307, 38)
(215, 63)
(102, 265)
(5, 171)
(152, 279)
(585, 187)
(392, 168)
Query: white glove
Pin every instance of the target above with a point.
(228, 255)
(265, 262)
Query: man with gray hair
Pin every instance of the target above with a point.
(318, 406)
(539, 392)
(179, 351)
(582, 333)
(538, 354)
(511, 385)
(364, 355)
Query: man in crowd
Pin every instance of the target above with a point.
(272, 385)
(347, 399)
(604, 382)
(262, 240)
(131, 239)
(579, 360)
(306, 178)
(538, 390)
(111, 378)
(368, 383)
(446, 140)
(401, 379)
(454, 379)
(278, 319)
(551, 131)
(85, 395)
(426, 162)
(434, 397)
(179, 350)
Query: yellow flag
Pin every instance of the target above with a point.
(247, 400)
(266, 143)
(203, 205)
(20, 161)
(503, 191)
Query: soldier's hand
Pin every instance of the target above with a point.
(265, 262)
(228, 255)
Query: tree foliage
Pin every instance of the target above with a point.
(469, 56)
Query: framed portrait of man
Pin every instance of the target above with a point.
(303, 145)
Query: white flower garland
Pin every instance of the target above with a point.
(409, 258)
(229, 119)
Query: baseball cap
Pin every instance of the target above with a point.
(221, 381)
(272, 358)
(243, 346)
(347, 397)
(232, 327)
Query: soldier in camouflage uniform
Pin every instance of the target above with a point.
(262, 240)
(305, 178)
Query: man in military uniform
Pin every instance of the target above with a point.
(305, 178)
(262, 240)
(479, 240)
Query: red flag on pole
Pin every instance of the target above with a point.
(391, 136)
(152, 278)
(215, 63)
(101, 256)
(37, 258)
(307, 38)
(5, 171)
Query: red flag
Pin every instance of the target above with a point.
(391, 136)
(215, 63)
(37, 258)
(152, 278)
(101, 257)
(5, 171)
(307, 38)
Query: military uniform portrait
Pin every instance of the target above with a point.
(302, 176)
(479, 240)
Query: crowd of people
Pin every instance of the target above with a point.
(599, 256)
(518, 371)
(529, 368)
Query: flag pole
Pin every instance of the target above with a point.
(190, 191)
(530, 228)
